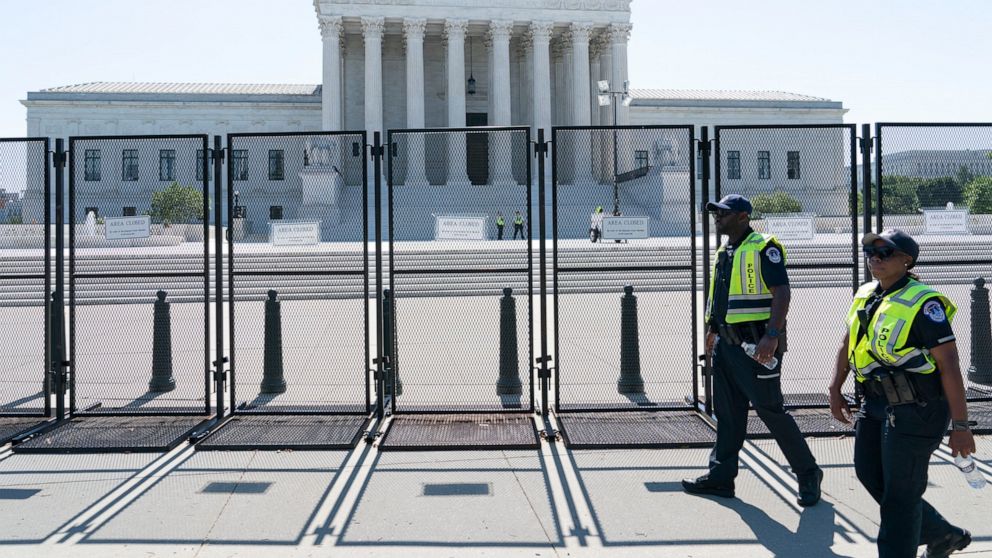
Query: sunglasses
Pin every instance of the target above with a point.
(721, 213)
(881, 252)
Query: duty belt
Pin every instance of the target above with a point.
(749, 332)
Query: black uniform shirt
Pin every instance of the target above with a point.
(772, 271)
(930, 327)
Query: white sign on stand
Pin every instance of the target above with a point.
(945, 221)
(621, 228)
(453, 227)
(299, 233)
(118, 228)
(796, 226)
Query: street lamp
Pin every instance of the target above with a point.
(607, 97)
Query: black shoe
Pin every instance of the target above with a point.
(952, 542)
(809, 488)
(703, 486)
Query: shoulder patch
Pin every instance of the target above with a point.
(934, 311)
(774, 255)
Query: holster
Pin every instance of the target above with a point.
(895, 385)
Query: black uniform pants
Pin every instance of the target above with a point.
(737, 380)
(518, 229)
(499, 232)
(891, 456)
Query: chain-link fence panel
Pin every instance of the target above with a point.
(139, 286)
(298, 272)
(802, 183)
(936, 185)
(458, 315)
(624, 268)
(25, 276)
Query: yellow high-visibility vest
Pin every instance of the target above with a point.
(888, 330)
(749, 299)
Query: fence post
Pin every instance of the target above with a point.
(273, 380)
(980, 371)
(509, 371)
(162, 380)
(389, 341)
(630, 352)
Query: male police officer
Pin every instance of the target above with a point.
(518, 225)
(500, 223)
(748, 302)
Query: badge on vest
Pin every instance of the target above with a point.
(934, 311)
(774, 255)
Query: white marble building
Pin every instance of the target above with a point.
(407, 64)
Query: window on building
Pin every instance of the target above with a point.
(239, 164)
(793, 165)
(734, 165)
(92, 165)
(129, 165)
(276, 164)
(129, 211)
(167, 164)
(764, 165)
(641, 158)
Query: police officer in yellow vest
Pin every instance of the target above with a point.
(500, 223)
(900, 345)
(748, 302)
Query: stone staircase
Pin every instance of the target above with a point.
(435, 269)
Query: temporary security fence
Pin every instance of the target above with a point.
(802, 181)
(139, 327)
(152, 282)
(297, 291)
(25, 281)
(625, 286)
(458, 322)
(936, 184)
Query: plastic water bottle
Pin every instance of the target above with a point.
(750, 348)
(974, 477)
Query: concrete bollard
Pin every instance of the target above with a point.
(162, 380)
(630, 381)
(980, 371)
(389, 342)
(273, 380)
(509, 365)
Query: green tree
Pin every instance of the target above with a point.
(899, 195)
(775, 202)
(936, 192)
(177, 204)
(978, 195)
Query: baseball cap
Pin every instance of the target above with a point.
(896, 239)
(731, 202)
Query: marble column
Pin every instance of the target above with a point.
(541, 37)
(595, 51)
(372, 31)
(606, 112)
(619, 35)
(455, 33)
(415, 155)
(580, 102)
(330, 98)
(501, 143)
(557, 56)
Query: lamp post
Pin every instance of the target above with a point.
(607, 97)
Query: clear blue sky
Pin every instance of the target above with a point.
(887, 60)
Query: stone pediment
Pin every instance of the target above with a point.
(611, 11)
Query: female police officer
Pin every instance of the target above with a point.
(900, 345)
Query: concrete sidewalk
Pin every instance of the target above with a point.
(367, 503)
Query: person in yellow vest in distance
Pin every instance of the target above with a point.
(518, 226)
(596, 224)
(745, 316)
(500, 223)
(900, 345)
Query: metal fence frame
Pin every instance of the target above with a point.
(231, 256)
(855, 239)
(47, 375)
(73, 275)
(555, 269)
(389, 390)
